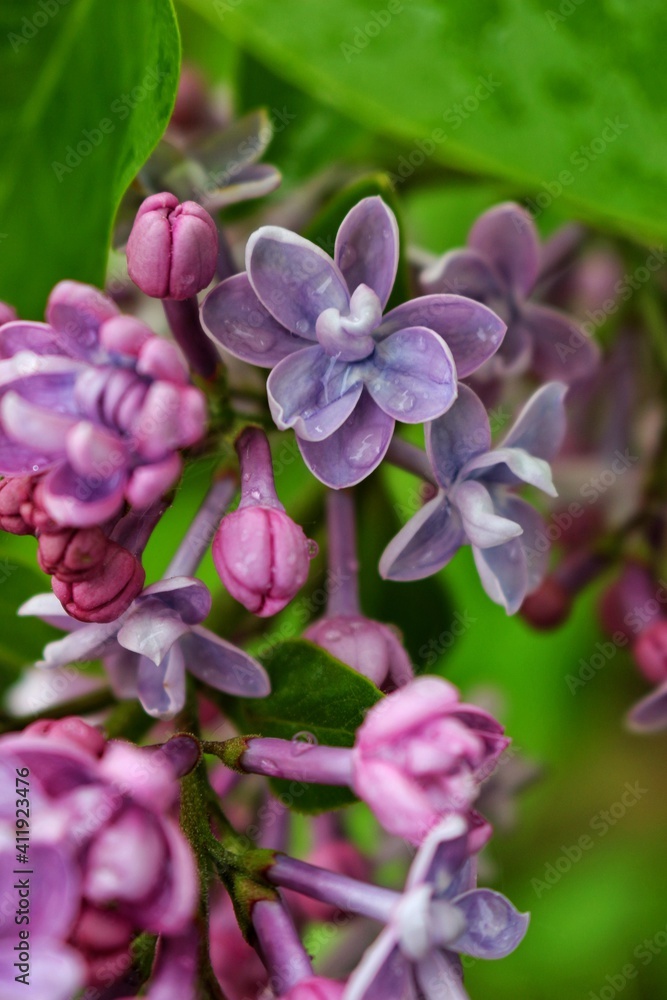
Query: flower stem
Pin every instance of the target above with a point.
(200, 534)
(280, 946)
(297, 761)
(343, 593)
(183, 317)
(348, 894)
(257, 482)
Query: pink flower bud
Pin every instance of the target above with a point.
(548, 606)
(7, 313)
(70, 730)
(316, 988)
(650, 651)
(72, 554)
(14, 493)
(173, 248)
(369, 647)
(420, 754)
(262, 558)
(108, 593)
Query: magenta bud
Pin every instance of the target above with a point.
(172, 251)
(71, 730)
(104, 596)
(548, 606)
(262, 558)
(369, 647)
(7, 313)
(650, 651)
(629, 605)
(14, 493)
(72, 554)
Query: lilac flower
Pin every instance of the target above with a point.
(474, 503)
(342, 375)
(149, 648)
(500, 267)
(419, 755)
(440, 916)
(107, 860)
(97, 402)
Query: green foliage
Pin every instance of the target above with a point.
(86, 96)
(312, 695)
(21, 639)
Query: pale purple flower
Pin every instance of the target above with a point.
(421, 754)
(107, 859)
(500, 267)
(342, 375)
(172, 251)
(148, 650)
(475, 504)
(96, 401)
(440, 915)
(262, 556)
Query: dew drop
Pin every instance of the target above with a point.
(313, 548)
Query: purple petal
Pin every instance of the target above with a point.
(440, 977)
(57, 972)
(122, 668)
(233, 315)
(352, 452)
(367, 247)
(87, 643)
(151, 630)
(495, 927)
(254, 181)
(561, 349)
(294, 279)
(90, 446)
(472, 332)
(442, 854)
(36, 337)
(513, 466)
(650, 714)
(185, 596)
(34, 427)
(534, 528)
(506, 236)
(503, 571)
(425, 544)
(465, 272)
(484, 528)
(161, 689)
(383, 972)
(80, 501)
(42, 379)
(76, 312)
(17, 459)
(150, 482)
(223, 666)
(50, 610)
(55, 890)
(411, 375)
(540, 427)
(175, 971)
(457, 436)
(313, 393)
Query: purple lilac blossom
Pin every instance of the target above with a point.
(342, 375)
(501, 267)
(475, 504)
(96, 401)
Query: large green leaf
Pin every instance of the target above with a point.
(515, 89)
(312, 696)
(87, 91)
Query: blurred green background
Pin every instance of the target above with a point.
(560, 104)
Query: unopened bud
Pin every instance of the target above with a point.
(650, 651)
(72, 554)
(104, 596)
(173, 248)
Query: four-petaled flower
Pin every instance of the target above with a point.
(342, 374)
(474, 503)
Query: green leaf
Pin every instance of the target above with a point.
(21, 639)
(86, 97)
(322, 230)
(568, 107)
(311, 693)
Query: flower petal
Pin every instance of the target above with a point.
(254, 181)
(534, 530)
(294, 279)
(151, 630)
(39, 338)
(76, 311)
(71, 499)
(457, 436)
(464, 272)
(441, 856)
(561, 349)
(233, 315)
(440, 977)
(425, 544)
(313, 393)
(472, 331)
(87, 643)
(495, 927)
(540, 427)
(650, 714)
(503, 571)
(512, 466)
(161, 689)
(50, 610)
(411, 375)
(223, 666)
(483, 527)
(382, 973)
(367, 247)
(33, 426)
(353, 451)
(184, 595)
(506, 235)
